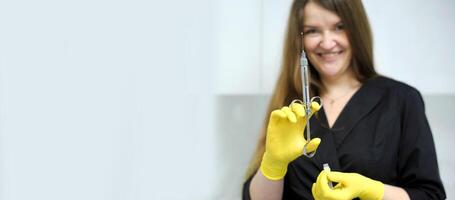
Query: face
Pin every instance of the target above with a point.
(325, 41)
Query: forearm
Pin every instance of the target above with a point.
(394, 193)
(263, 188)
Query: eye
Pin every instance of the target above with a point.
(309, 31)
(339, 27)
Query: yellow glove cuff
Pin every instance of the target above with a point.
(375, 191)
(273, 170)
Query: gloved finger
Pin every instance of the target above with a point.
(276, 115)
(314, 107)
(298, 109)
(313, 144)
(324, 184)
(322, 175)
(291, 116)
(338, 186)
(339, 177)
(317, 179)
(314, 192)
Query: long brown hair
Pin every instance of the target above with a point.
(288, 87)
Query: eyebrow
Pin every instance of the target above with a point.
(314, 26)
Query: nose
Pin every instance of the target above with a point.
(328, 41)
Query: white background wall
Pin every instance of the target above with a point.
(106, 100)
(117, 99)
(414, 42)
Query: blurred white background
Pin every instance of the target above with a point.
(164, 100)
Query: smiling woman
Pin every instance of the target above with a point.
(372, 130)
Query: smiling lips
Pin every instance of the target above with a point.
(329, 56)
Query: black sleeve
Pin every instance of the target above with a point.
(246, 189)
(418, 165)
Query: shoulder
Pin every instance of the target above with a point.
(402, 92)
(382, 82)
(392, 85)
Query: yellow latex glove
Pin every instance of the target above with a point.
(350, 186)
(285, 139)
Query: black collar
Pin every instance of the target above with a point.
(360, 104)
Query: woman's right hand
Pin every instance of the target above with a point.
(285, 140)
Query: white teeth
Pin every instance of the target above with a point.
(330, 53)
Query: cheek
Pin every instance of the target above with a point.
(344, 41)
(310, 44)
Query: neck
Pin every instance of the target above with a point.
(335, 86)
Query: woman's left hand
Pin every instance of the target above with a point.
(350, 186)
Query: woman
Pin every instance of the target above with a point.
(371, 130)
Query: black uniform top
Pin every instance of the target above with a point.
(382, 133)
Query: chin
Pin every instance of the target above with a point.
(330, 75)
(331, 71)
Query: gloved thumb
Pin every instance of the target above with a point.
(313, 145)
(338, 177)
